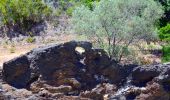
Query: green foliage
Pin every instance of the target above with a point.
(69, 11)
(67, 6)
(165, 19)
(30, 39)
(23, 13)
(166, 53)
(89, 3)
(164, 33)
(115, 24)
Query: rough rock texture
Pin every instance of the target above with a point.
(149, 82)
(17, 71)
(76, 71)
(100, 92)
(154, 91)
(143, 74)
(57, 65)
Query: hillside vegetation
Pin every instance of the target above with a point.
(120, 27)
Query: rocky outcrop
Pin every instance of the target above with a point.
(143, 74)
(75, 71)
(153, 91)
(150, 82)
(68, 63)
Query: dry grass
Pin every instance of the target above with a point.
(8, 52)
(5, 53)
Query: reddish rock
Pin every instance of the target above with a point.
(154, 91)
(100, 92)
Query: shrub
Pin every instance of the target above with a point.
(30, 39)
(166, 53)
(164, 33)
(165, 19)
(23, 13)
(67, 6)
(116, 24)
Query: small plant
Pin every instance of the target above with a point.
(30, 39)
(69, 11)
(12, 48)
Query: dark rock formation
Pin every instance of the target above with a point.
(149, 82)
(17, 71)
(142, 75)
(76, 71)
(154, 91)
(69, 63)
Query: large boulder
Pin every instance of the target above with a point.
(69, 63)
(143, 74)
(159, 73)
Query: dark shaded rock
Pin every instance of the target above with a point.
(17, 72)
(118, 74)
(159, 73)
(144, 74)
(72, 63)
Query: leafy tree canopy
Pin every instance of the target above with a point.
(115, 24)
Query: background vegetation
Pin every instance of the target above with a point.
(22, 14)
(114, 25)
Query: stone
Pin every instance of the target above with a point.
(154, 91)
(100, 92)
(56, 65)
(76, 71)
(17, 72)
(143, 74)
(59, 89)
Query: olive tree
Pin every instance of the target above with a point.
(116, 24)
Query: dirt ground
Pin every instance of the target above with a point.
(6, 53)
